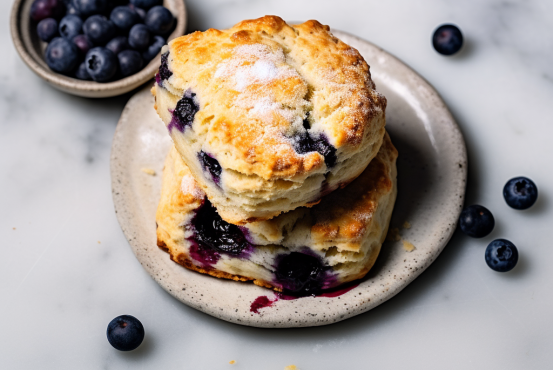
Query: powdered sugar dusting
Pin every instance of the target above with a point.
(188, 186)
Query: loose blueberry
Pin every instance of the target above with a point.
(82, 73)
(520, 193)
(139, 37)
(62, 55)
(476, 221)
(154, 49)
(101, 64)
(125, 333)
(42, 9)
(146, 4)
(211, 165)
(184, 112)
(99, 29)
(118, 44)
(124, 18)
(306, 143)
(501, 255)
(130, 62)
(90, 7)
(159, 20)
(300, 273)
(213, 232)
(83, 43)
(447, 39)
(71, 26)
(47, 29)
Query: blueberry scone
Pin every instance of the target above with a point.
(300, 252)
(269, 117)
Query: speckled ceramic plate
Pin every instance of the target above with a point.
(432, 169)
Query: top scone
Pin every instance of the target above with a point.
(269, 117)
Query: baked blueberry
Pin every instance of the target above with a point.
(476, 221)
(83, 44)
(306, 143)
(70, 26)
(447, 39)
(154, 49)
(47, 29)
(124, 18)
(99, 29)
(164, 71)
(520, 193)
(89, 7)
(101, 64)
(159, 20)
(184, 112)
(300, 273)
(139, 37)
(62, 55)
(125, 333)
(146, 4)
(213, 232)
(42, 9)
(211, 165)
(82, 73)
(130, 62)
(118, 44)
(501, 255)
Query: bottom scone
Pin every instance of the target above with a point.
(300, 252)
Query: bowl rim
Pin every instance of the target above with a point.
(75, 86)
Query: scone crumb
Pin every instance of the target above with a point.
(232, 362)
(408, 246)
(99, 242)
(406, 225)
(14, 228)
(291, 367)
(393, 235)
(148, 171)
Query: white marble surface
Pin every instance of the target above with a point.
(66, 268)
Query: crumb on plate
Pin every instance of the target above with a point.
(232, 362)
(406, 225)
(148, 171)
(291, 367)
(408, 246)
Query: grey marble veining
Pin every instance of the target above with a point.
(66, 268)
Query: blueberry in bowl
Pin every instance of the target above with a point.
(87, 24)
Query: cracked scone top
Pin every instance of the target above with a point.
(269, 117)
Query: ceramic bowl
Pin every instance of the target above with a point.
(432, 171)
(31, 49)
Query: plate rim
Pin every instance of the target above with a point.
(273, 322)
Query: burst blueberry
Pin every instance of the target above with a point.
(476, 221)
(164, 71)
(154, 49)
(70, 26)
(184, 112)
(159, 20)
(62, 55)
(210, 165)
(213, 232)
(305, 143)
(501, 255)
(99, 29)
(47, 29)
(118, 44)
(42, 9)
(520, 193)
(300, 273)
(101, 64)
(130, 62)
(123, 17)
(139, 37)
(125, 333)
(447, 39)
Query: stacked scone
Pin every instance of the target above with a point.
(281, 172)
